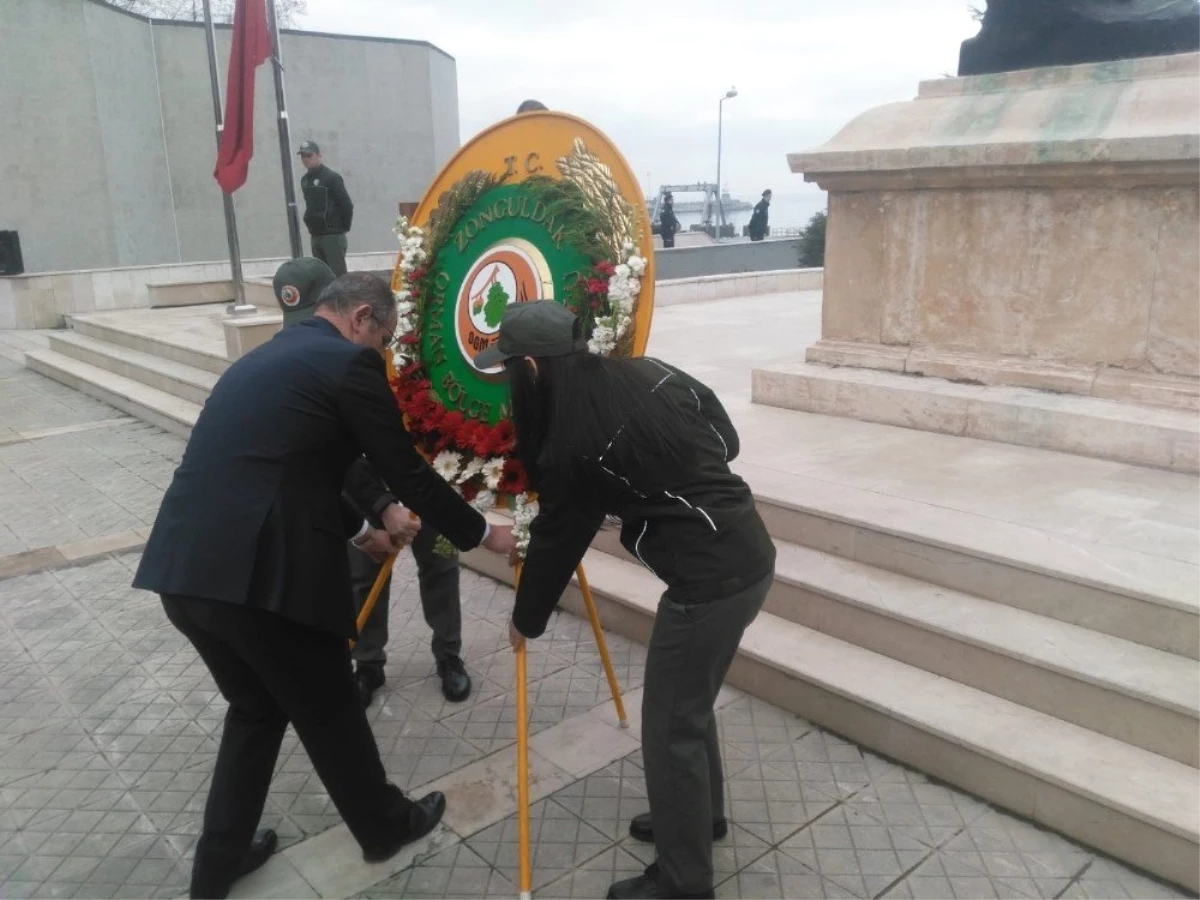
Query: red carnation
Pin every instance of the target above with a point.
(605, 268)
(513, 481)
(597, 286)
(504, 435)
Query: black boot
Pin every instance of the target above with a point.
(650, 884)
(642, 829)
(456, 683)
(368, 679)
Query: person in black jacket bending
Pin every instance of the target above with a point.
(248, 552)
(641, 440)
(328, 211)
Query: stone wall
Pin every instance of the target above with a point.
(1036, 229)
(116, 145)
(724, 259)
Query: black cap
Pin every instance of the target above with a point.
(309, 147)
(298, 283)
(536, 328)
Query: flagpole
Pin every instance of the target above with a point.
(285, 135)
(235, 252)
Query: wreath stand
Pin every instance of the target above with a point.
(524, 860)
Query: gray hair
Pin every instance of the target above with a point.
(347, 292)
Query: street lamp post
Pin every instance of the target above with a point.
(729, 95)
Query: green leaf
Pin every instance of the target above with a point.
(493, 311)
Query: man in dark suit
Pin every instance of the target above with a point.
(248, 554)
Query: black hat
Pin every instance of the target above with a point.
(536, 328)
(298, 283)
(309, 147)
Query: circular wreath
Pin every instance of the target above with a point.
(599, 223)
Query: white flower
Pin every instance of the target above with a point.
(402, 295)
(621, 271)
(446, 464)
(493, 470)
(405, 307)
(602, 340)
(637, 265)
(415, 230)
(484, 501)
(473, 467)
(627, 245)
(403, 327)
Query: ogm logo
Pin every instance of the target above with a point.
(512, 271)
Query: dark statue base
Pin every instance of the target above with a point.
(1027, 34)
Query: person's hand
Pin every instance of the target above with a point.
(515, 638)
(401, 524)
(377, 544)
(500, 540)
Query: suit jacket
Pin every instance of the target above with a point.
(254, 515)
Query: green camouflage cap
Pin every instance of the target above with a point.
(536, 328)
(298, 284)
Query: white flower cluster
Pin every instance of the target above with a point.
(624, 285)
(452, 468)
(524, 512)
(412, 254)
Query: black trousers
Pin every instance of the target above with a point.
(331, 250)
(691, 649)
(440, 601)
(273, 671)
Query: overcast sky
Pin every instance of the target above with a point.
(649, 73)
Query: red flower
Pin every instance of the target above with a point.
(452, 421)
(604, 268)
(504, 435)
(597, 286)
(513, 481)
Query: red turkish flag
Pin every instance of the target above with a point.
(251, 48)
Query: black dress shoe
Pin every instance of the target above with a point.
(641, 829)
(368, 679)
(262, 845)
(650, 884)
(422, 819)
(456, 683)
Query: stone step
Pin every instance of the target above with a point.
(189, 293)
(1087, 426)
(125, 334)
(1138, 806)
(183, 381)
(1137, 694)
(1149, 600)
(149, 404)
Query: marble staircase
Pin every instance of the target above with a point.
(160, 374)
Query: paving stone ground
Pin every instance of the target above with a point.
(109, 724)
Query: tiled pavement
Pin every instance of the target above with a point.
(108, 727)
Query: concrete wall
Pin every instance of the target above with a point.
(724, 259)
(116, 143)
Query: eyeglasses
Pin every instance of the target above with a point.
(389, 335)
